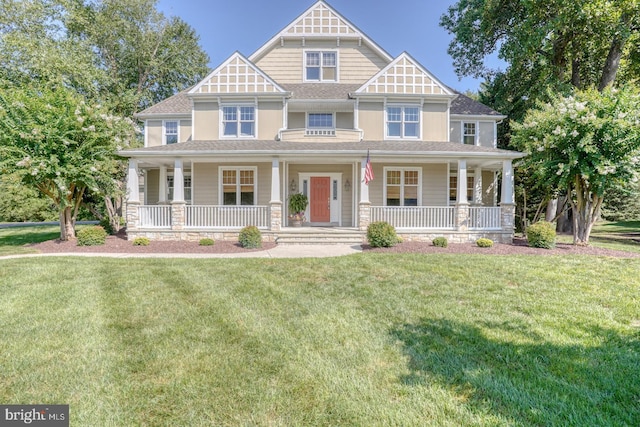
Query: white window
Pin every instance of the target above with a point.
(469, 133)
(320, 124)
(238, 186)
(170, 132)
(402, 186)
(321, 66)
(453, 187)
(187, 187)
(238, 121)
(403, 122)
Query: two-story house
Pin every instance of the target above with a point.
(300, 115)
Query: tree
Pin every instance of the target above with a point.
(586, 144)
(61, 145)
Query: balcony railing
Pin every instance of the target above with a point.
(320, 135)
(226, 216)
(435, 217)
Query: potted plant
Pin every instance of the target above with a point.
(297, 205)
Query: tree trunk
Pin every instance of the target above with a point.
(586, 210)
(67, 224)
(112, 212)
(615, 53)
(552, 210)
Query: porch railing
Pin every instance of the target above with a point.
(437, 217)
(198, 216)
(485, 218)
(155, 216)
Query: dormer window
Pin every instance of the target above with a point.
(321, 66)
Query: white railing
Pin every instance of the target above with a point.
(485, 218)
(155, 216)
(320, 132)
(226, 216)
(436, 217)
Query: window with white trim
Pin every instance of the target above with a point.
(238, 186)
(187, 187)
(453, 187)
(238, 121)
(402, 186)
(321, 66)
(403, 121)
(321, 124)
(469, 132)
(170, 132)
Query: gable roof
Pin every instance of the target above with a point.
(237, 75)
(404, 76)
(176, 105)
(465, 106)
(329, 91)
(321, 21)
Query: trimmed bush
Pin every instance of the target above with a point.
(250, 237)
(440, 242)
(484, 243)
(206, 242)
(92, 236)
(141, 241)
(542, 234)
(381, 234)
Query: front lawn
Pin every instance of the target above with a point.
(369, 339)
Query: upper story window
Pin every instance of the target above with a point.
(321, 66)
(238, 121)
(402, 186)
(170, 132)
(320, 124)
(403, 122)
(469, 132)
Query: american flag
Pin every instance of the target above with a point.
(368, 170)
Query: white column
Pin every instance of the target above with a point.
(275, 180)
(364, 188)
(178, 182)
(133, 182)
(162, 185)
(507, 182)
(477, 186)
(462, 183)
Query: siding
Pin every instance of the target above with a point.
(269, 119)
(185, 130)
(486, 134)
(154, 133)
(435, 185)
(488, 188)
(456, 131)
(371, 120)
(151, 191)
(206, 121)
(434, 119)
(206, 189)
(285, 64)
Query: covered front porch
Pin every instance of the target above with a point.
(460, 208)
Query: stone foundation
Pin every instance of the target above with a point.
(194, 235)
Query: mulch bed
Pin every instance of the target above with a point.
(119, 244)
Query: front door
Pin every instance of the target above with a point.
(320, 199)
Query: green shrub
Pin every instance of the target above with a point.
(141, 241)
(206, 242)
(440, 242)
(250, 237)
(381, 234)
(542, 235)
(484, 243)
(91, 236)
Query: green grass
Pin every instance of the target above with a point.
(622, 236)
(14, 239)
(365, 340)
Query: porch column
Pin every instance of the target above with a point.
(133, 201)
(364, 207)
(477, 186)
(162, 186)
(462, 203)
(507, 203)
(178, 203)
(133, 183)
(275, 205)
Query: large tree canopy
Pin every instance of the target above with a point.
(56, 142)
(586, 144)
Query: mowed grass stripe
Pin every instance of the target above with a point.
(369, 339)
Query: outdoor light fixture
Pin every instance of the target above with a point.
(347, 185)
(293, 187)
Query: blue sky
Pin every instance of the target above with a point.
(245, 25)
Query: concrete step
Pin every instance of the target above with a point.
(333, 238)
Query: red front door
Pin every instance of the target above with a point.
(320, 199)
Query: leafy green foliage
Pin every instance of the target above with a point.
(298, 203)
(440, 242)
(583, 145)
(381, 234)
(484, 243)
(206, 242)
(141, 241)
(250, 237)
(19, 203)
(542, 234)
(92, 236)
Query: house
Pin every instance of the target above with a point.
(302, 114)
